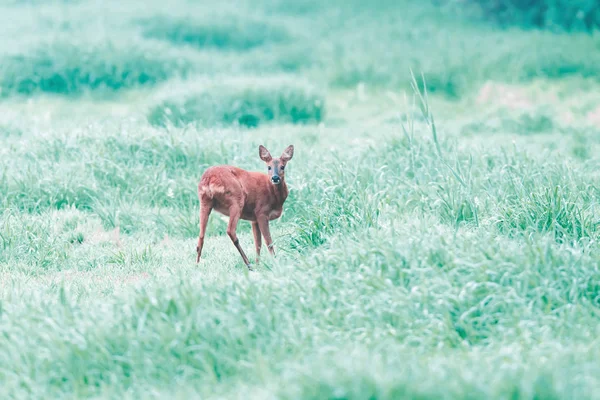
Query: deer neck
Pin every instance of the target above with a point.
(280, 193)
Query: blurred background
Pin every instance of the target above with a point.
(251, 61)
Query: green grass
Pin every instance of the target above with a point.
(435, 244)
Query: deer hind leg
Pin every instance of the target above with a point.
(257, 239)
(234, 217)
(205, 209)
(263, 224)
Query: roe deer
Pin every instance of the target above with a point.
(240, 194)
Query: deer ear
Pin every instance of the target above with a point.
(264, 153)
(288, 153)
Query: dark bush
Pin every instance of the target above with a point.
(66, 69)
(242, 104)
(562, 14)
(229, 33)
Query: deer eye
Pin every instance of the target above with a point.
(282, 167)
(269, 167)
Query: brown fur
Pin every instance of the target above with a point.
(241, 194)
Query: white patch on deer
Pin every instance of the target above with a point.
(211, 190)
(217, 189)
(275, 214)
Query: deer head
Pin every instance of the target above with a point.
(276, 166)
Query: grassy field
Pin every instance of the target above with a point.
(440, 240)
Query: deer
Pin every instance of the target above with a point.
(239, 194)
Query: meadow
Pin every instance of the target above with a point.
(440, 239)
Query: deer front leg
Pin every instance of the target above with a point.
(234, 217)
(257, 239)
(263, 224)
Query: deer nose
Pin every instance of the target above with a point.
(275, 179)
